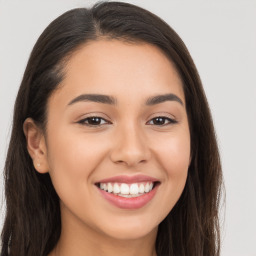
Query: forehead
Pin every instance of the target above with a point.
(120, 68)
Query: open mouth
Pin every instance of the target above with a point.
(128, 190)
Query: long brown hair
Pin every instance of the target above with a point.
(32, 225)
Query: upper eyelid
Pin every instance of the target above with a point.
(90, 115)
(162, 114)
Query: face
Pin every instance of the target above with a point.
(117, 126)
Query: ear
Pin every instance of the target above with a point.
(36, 145)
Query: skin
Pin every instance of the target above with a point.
(129, 142)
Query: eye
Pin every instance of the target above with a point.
(93, 121)
(162, 121)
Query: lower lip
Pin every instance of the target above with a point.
(129, 203)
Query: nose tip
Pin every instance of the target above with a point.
(130, 149)
(130, 159)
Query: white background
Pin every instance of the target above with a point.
(221, 37)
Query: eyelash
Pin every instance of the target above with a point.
(83, 121)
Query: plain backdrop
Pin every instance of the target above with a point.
(221, 37)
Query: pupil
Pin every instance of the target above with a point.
(94, 120)
(159, 120)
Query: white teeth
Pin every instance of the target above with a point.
(147, 188)
(110, 188)
(127, 190)
(116, 189)
(134, 189)
(141, 189)
(124, 189)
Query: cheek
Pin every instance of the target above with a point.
(177, 163)
(173, 152)
(178, 157)
(174, 157)
(72, 160)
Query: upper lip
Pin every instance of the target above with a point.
(129, 179)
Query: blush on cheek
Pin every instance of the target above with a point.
(176, 159)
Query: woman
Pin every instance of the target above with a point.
(113, 150)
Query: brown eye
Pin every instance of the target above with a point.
(93, 121)
(162, 120)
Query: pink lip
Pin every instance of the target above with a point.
(132, 202)
(129, 179)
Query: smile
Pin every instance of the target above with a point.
(128, 192)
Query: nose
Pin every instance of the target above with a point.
(130, 147)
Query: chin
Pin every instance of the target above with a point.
(130, 231)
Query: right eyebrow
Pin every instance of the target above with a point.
(105, 99)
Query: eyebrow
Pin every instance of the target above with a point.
(100, 98)
(106, 99)
(162, 98)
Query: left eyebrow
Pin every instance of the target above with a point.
(106, 99)
(162, 98)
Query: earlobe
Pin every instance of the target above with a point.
(36, 145)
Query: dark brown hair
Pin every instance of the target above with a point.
(32, 225)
